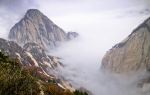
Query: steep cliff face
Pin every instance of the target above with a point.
(36, 27)
(132, 54)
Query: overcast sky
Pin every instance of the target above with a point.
(60, 7)
(65, 13)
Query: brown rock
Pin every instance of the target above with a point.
(132, 54)
(38, 28)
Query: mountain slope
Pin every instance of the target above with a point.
(35, 34)
(18, 80)
(132, 54)
(31, 55)
(37, 28)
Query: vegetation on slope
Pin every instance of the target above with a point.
(16, 80)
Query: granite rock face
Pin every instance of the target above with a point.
(39, 54)
(37, 28)
(132, 54)
(31, 55)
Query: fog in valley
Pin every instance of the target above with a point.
(82, 56)
(100, 24)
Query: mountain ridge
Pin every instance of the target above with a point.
(38, 28)
(132, 54)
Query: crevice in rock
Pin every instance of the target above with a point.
(142, 53)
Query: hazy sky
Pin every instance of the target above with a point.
(63, 6)
(13, 10)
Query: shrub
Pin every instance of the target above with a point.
(14, 80)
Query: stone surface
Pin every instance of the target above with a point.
(132, 54)
(31, 55)
(38, 28)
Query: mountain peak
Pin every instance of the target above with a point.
(33, 10)
(37, 28)
(33, 13)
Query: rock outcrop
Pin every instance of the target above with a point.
(132, 54)
(32, 55)
(35, 27)
(72, 35)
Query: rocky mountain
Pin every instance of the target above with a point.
(132, 54)
(35, 27)
(18, 79)
(34, 58)
(32, 55)
(30, 40)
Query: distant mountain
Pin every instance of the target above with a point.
(142, 11)
(35, 27)
(132, 12)
(145, 11)
(132, 54)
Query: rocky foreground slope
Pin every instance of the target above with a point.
(19, 80)
(30, 57)
(132, 54)
(37, 28)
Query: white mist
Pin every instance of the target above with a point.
(82, 56)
